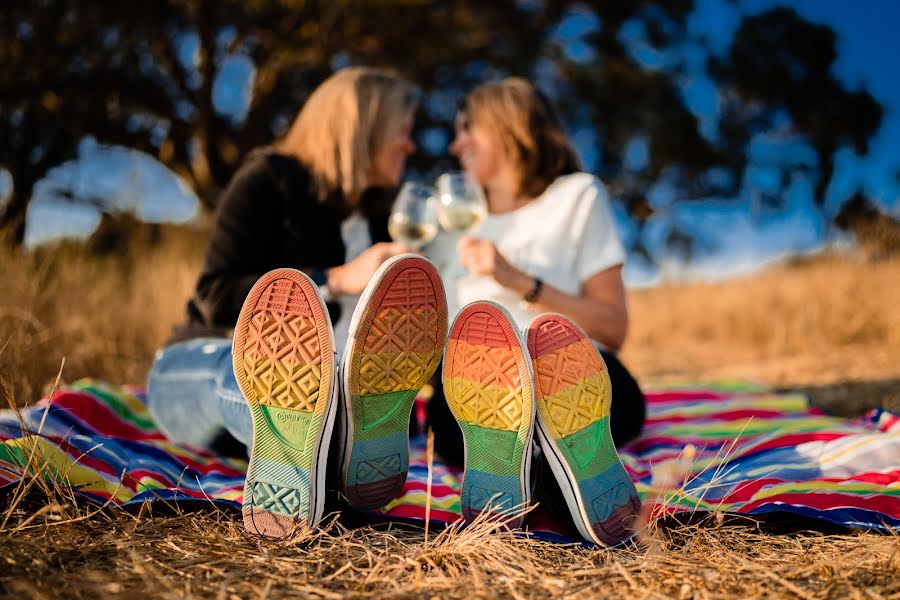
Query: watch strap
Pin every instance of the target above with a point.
(535, 291)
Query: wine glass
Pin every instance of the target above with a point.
(413, 221)
(461, 205)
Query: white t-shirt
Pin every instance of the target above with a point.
(565, 236)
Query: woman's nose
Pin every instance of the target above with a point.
(454, 145)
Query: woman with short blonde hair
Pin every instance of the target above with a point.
(528, 132)
(548, 253)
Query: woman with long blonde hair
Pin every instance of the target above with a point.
(299, 264)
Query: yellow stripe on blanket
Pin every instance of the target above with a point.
(59, 467)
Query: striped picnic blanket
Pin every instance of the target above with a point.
(734, 448)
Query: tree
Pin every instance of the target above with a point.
(780, 64)
(146, 78)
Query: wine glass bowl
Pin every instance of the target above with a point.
(461, 205)
(413, 220)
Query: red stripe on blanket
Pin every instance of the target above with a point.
(828, 500)
(746, 491)
(683, 395)
(83, 458)
(794, 439)
(728, 415)
(436, 489)
(646, 444)
(100, 417)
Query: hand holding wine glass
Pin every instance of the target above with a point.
(413, 221)
(481, 257)
(461, 205)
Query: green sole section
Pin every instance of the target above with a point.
(290, 425)
(380, 415)
(285, 445)
(495, 451)
(378, 408)
(583, 449)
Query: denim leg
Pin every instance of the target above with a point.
(181, 393)
(234, 411)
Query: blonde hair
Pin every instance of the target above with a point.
(343, 124)
(529, 132)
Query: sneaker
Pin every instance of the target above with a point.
(573, 396)
(395, 344)
(284, 363)
(487, 383)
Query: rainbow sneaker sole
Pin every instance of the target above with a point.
(487, 383)
(283, 360)
(397, 337)
(573, 396)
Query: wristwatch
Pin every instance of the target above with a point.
(535, 291)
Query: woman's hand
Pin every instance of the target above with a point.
(481, 257)
(352, 278)
(600, 308)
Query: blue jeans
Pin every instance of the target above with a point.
(193, 396)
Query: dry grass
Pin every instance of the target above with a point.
(830, 305)
(207, 555)
(106, 314)
(829, 325)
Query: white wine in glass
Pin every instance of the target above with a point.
(461, 218)
(414, 235)
(413, 221)
(460, 202)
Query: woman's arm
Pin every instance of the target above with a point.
(239, 244)
(600, 309)
(352, 277)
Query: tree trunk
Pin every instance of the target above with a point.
(12, 219)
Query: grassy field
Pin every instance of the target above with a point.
(829, 326)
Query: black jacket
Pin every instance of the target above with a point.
(269, 216)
